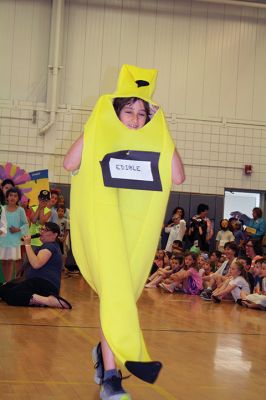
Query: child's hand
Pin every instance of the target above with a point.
(12, 229)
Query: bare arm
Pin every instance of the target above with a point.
(39, 260)
(178, 174)
(3, 223)
(72, 159)
(224, 290)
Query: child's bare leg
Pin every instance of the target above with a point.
(243, 295)
(108, 357)
(219, 280)
(7, 268)
(18, 265)
(180, 276)
(154, 275)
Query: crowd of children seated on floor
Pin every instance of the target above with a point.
(236, 271)
(214, 276)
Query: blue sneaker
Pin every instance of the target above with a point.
(98, 363)
(111, 388)
(206, 295)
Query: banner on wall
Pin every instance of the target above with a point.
(39, 181)
(30, 183)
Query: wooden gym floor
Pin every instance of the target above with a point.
(209, 351)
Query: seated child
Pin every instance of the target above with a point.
(215, 260)
(246, 262)
(206, 273)
(201, 260)
(257, 300)
(177, 247)
(188, 279)
(158, 261)
(162, 273)
(256, 271)
(233, 286)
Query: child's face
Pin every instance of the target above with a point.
(173, 263)
(224, 224)
(201, 261)
(206, 266)
(221, 261)
(12, 199)
(176, 219)
(257, 269)
(160, 254)
(60, 212)
(189, 261)
(213, 257)
(133, 115)
(54, 199)
(234, 270)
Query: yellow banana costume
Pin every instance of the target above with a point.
(115, 231)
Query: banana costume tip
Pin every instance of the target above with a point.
(147, 371)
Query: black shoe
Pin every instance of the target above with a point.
(216, 299)
(98, 363)
(206, 295)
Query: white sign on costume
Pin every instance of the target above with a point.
(130, 169)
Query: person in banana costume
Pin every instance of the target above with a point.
(124, 163)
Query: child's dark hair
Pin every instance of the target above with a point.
(178, 243)
(14, 190)
(258, 212)
(217, 253)
(121, 102)
(232, 246)
(182, 211)
(61, 207)
(245, 258)
(202, 207)
(54, 191)
(2, 197)
(194, 257)
(7, 181)
(179, 258)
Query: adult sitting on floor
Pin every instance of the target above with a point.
(42, 284)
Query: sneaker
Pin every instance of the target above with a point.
(239, 301)
(169, 288)
(216, 299)
(98, 364)
(111, 389)
(203, 293)
(206, 295)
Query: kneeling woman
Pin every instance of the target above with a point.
(42, 284)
